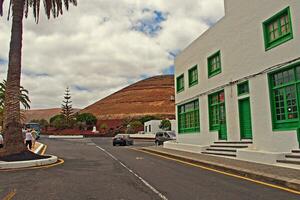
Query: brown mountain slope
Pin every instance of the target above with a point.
(152, 96)
(43, 113)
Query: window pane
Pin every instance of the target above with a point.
(279, 104)
(189, 119)
(291, 102)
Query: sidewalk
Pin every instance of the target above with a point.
(277, 175)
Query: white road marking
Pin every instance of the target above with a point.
(132, 172)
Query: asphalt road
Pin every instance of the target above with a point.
(94, 169)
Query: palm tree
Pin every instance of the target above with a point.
(23, 97)
(13, 143)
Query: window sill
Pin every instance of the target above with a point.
(181, 90)
(211, 74)
(278, 42)
(193, 84)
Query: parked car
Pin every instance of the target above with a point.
(122, 140)
(162, 136)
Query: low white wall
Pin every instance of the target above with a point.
(184, 147)
(259, 156)
(142, 136)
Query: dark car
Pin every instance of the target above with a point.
(122, 140)
(162, 136)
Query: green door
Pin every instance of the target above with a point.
(245, 118)
(223, 128)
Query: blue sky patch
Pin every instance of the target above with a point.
(34, 74)
(80, 88)
(174, 53)
(3, 61)
(150, 26)
(169, 70)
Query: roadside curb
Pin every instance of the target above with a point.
(268, 178)
(29, 163)
(39, 149)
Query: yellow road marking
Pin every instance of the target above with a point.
(10, 195)
(225, 173)
(44, 150)
(60, 161)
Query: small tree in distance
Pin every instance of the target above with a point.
(103, 127)
(66, 107)
(165, 125)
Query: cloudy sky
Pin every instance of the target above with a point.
(102, 46)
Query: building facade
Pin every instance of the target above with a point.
(240, 80)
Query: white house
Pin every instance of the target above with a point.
(238, 84)
(152, 126)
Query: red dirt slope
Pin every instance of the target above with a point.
(152, 96)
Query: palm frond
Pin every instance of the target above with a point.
(52, 7)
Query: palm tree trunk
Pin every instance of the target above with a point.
(13, 138)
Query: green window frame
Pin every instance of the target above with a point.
(278, 29)
(188, 117)
(180, 83)
(193, 76)
(284, 97)
(216, 100)
(243, 88)
(214, 64)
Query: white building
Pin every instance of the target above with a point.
(238, 84)
(152, 126)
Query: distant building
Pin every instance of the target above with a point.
(239, 82)
(152, 126)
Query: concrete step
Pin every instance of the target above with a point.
(221, 149)
(238, 146)
(296, 151)
(219, 154)
(293, 156)
(290, 161)
(233, 142)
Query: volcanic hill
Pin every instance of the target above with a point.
(152, 96)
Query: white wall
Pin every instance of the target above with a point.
(239, 37)
(155, 126)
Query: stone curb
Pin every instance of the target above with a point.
(29, 163)
(39, 149)
(65, 136)
(269, 178)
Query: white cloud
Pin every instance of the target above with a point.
(94, 48)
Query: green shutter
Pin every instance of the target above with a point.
(214, 64)
(180, 83)
(217, 114)
(193, 76)
(284, 97)
(188, 117)
(278, 29)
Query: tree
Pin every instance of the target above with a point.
(103, 127)
(165, 125)
(13, 142)
(86, 119)
(24, 98)
(66, 107)
(134, 126)
(148, 118)
(52, 119)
